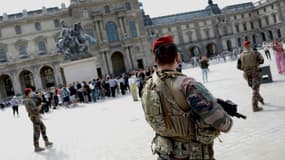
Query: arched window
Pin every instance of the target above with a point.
(107, 9)
(112, 32)
(133, 29)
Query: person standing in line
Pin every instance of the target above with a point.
(279, 56)
(266, 50)
(73, 95)
(204, 64)
(15, 105)
(249, 62)
(113, 86)
(184, 115)
(33, 106)
(133, 86)
(65, 96)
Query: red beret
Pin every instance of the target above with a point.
(27, 91)
(161, 41)
(246, 43)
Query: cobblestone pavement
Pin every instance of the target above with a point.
(115, 129)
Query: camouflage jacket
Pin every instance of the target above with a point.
(31, 107)
(250, 60)
(202, 103)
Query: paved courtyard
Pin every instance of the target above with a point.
(115, 129)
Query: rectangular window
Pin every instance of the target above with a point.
(267, 20)
(128, 6)
(260, 23)
(239, 42)
(42, 46)
(237, 28)
(244, 27)
(22, 50)
(18, 29)
(207, 34)
(133, 29)
(38, 26)
(107, 9)
(56, 23)
(3, 55)
(85, 13)
(274, 18)
(252, 25)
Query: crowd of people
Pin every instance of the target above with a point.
(70, 95)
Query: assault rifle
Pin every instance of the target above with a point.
(231, 108)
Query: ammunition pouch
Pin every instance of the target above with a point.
(205, 133)
(162, 145)
(165, 146)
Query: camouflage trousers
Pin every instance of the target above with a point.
(253, 79)
(196, 151)
(39, 128)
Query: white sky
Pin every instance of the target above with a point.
(153, 7)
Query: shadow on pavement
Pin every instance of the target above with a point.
(52, 154)
(273, 108)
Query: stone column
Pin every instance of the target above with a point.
(120, 28)
(37, 78)
(99, 30)
(127, 58)
(124, 25)
(281, 16)
(16, 83)
(57, 75)
(130, 56)
(102, 31)
(106, 62)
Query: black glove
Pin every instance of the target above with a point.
(230, 108)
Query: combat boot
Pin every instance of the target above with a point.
(48, 144)
(257, 109)
(39, 149)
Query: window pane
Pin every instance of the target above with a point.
(112, 32)
(128, 6)
(133, 29)
(38, 26)
(56, 23)
(18, 30)
(42, 46)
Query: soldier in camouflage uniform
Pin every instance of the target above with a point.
(184, 115)
(33, 107)
(249, 62)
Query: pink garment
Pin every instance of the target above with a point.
(280, 59)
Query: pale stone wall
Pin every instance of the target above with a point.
(81, 70)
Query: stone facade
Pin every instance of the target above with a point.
(28, 55)
(213, 30)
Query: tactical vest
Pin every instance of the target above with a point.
(249, 61)
(162, 111)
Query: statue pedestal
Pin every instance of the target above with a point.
(80, 70)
